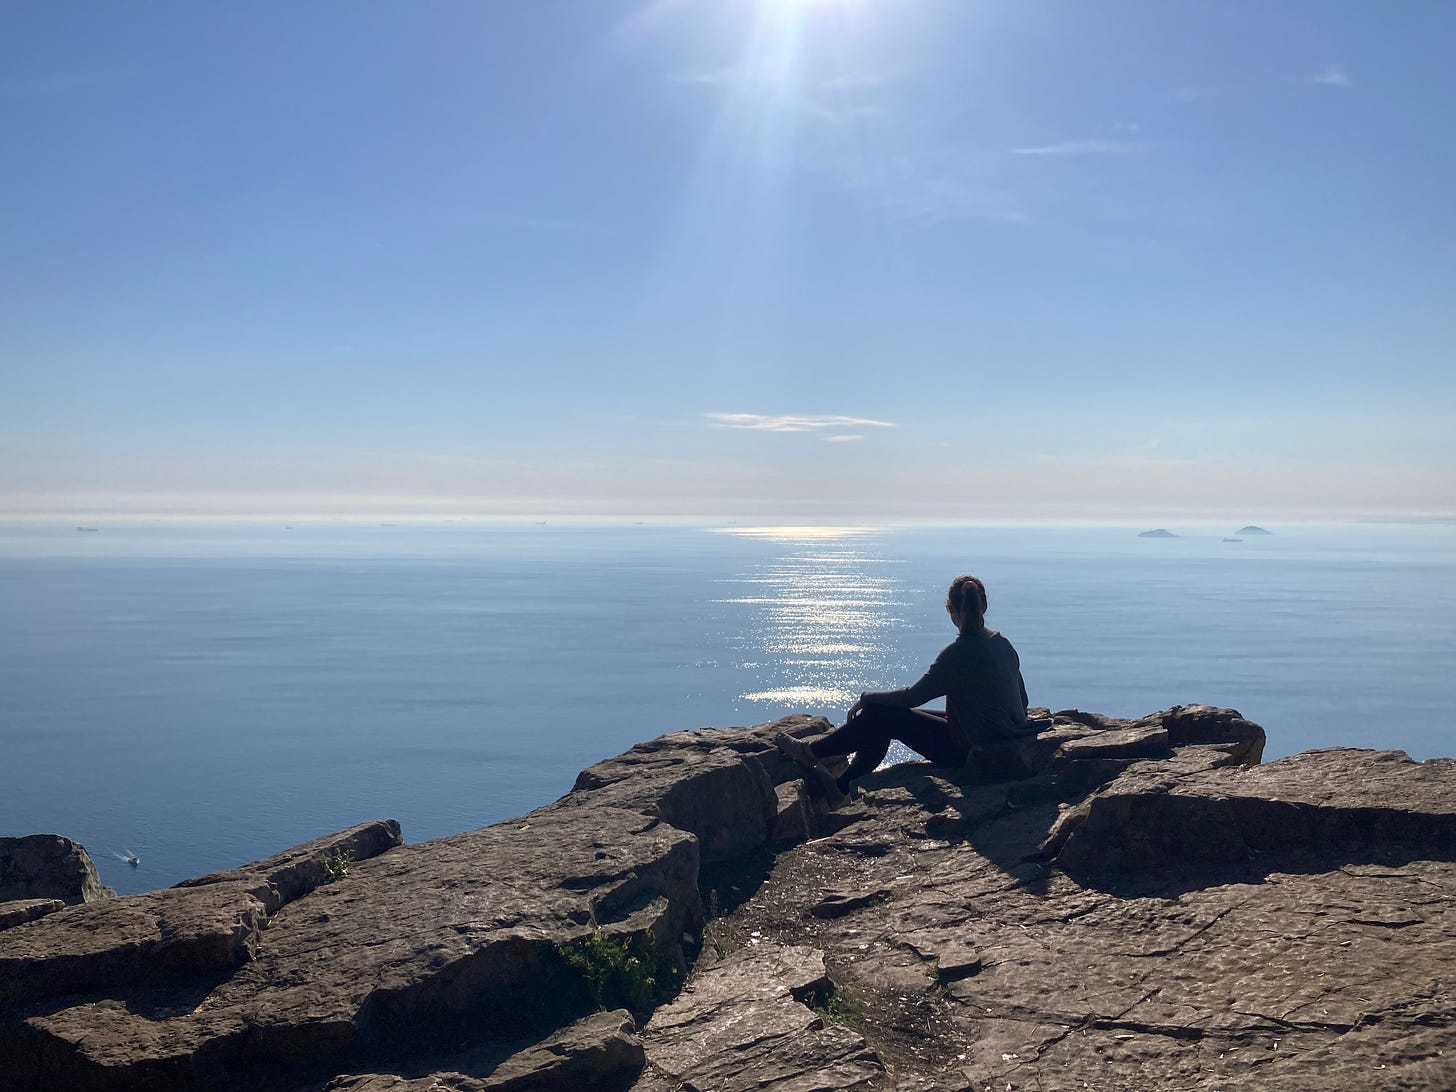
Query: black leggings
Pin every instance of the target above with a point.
(868, 737)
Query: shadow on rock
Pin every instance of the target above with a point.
(1003, 821)
(1307, 813)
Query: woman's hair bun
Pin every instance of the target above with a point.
(967, 591)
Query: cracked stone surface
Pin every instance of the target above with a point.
(966, 963)
(48, 866)
(211, 924)
(19, 911)
(742, 1023)
(601, 1051)
(1151, 908)
(458, 939)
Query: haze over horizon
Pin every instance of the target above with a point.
(801, 260)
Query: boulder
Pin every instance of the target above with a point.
(1190, 725)
(48, 866)
(1087, 750)
(794, 819)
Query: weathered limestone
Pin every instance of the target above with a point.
(19, 911)
(1354, 803)
(159, 935)
(1122, 903)
(295, 872)
(717, 783)
(205, 926)
(601, 1051)
(1320, 963)
(743, 1024)
(47, 866)
(460, 939)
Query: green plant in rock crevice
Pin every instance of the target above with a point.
(337, 864)
(712, 932)
(834, 1005)
(621, 972)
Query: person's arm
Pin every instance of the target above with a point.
(1020, 679)
(933, 684)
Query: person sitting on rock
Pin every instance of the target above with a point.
(979, 675)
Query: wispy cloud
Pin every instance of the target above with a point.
(804, 422)
(1332, 75)
(844, 438)
(1081, 147)
(889, 159)
(710, 77)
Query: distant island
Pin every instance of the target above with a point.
(1157, 532)
(1252, 530)
(1233, 540)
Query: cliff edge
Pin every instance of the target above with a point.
(1112, 904)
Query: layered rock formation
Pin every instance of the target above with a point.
(1113, 904)
(47, 866)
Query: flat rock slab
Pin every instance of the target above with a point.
(289, 875)
(205, 926)
(460, 939)
(1339, 799)
(19, 911)
(949, 949)
(158, 935)
(600, 1051)
(742, 1024)
(1141, 741)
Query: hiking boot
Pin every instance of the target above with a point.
(798, 750)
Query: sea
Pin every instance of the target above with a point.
(198, 696)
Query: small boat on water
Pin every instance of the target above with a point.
(129, 857)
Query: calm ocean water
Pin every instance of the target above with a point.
(205, 696)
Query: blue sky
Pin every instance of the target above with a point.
(807, 260)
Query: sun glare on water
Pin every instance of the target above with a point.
(820, 610)
(794, 534)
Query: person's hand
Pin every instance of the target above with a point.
(856, 708)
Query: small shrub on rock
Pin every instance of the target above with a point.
(620, 972)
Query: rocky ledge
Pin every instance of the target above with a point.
(1113, 904)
